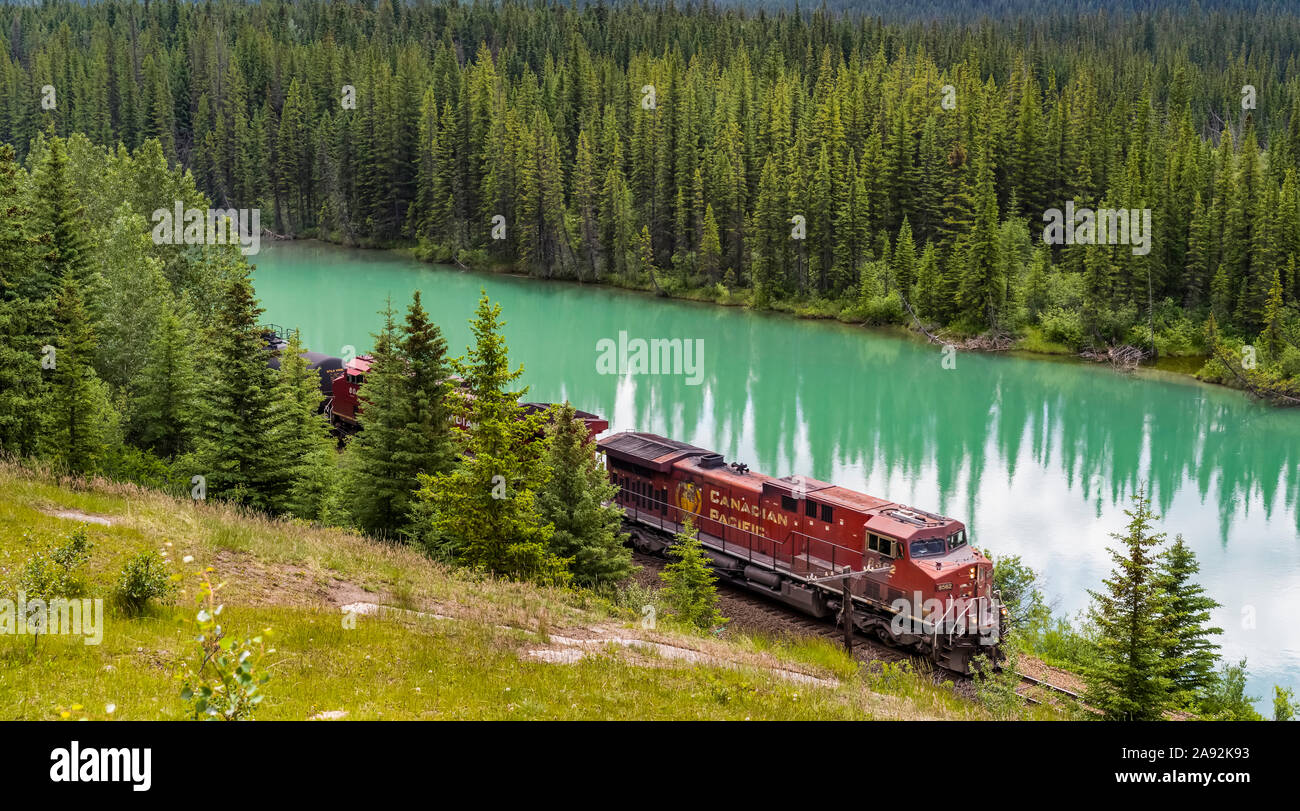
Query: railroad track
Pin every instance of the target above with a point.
(1052, 688)
(760, 614)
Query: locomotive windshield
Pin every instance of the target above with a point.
(928, 548)
(957, 539)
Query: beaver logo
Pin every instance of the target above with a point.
(689, 497)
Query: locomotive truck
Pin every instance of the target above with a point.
(913, 579)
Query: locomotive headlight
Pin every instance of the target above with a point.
(972, 573)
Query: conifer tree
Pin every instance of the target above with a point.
(80, 420)
(1132, 677)
(236, 450)
(983, 288)
(905, 261)
(379, 487)
(486, 507)
(303, 438)
(424, 442)
(166, 401)
(61, 218)
(1191, 653)
(690, 583)
(20, 318)
(578, 501)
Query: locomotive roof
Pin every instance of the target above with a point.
(650, 450)
(359, 365)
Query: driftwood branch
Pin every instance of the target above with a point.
(1124, 357)
(917, 321)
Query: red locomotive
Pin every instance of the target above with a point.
(913, 579)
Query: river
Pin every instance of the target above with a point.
(1039, 457)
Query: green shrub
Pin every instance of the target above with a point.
(57, 572)
(225, 684)
(1062, 326)
(143, 577)
(883, 310)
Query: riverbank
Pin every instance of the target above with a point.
(1031, 344)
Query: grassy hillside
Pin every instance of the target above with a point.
(446, 644)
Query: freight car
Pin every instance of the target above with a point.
(344, 402)
(913, 579)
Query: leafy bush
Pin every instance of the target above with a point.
(225, 685)
(1227, 699)
(57, 572)
(143, 577)
(125, 463)
(995, 686)
(882, 310)
(1062, 326)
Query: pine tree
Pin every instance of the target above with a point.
(165, 407)
(61, 218)
(905, 261)
(424, 441)
(983, 288)
(1132, 677)
(20, 318)
(1271, 338)
(379, 487)
(80, 420)
(236, 451)
(1191, 654)
(578, 500)
(303, 438)
(485, 510)
(690, 583)
(1036, 283)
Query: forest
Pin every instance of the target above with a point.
(884, 170)
(822, 162)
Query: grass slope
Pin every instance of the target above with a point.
(481, 648)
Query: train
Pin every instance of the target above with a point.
(911, 576)
(341, 382)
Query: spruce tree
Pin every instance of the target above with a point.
(164, 411)
(380, 488)
(20, 318)
(1132, 677)
(486, 508)
(424, 443)
(236, 450)
(578, 501)
(690, 583)
(1191, 653)
(80, 421)
(303, 437)
(61, 218)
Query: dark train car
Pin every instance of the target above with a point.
(326, 366)
(913, 578)
(346, 402)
